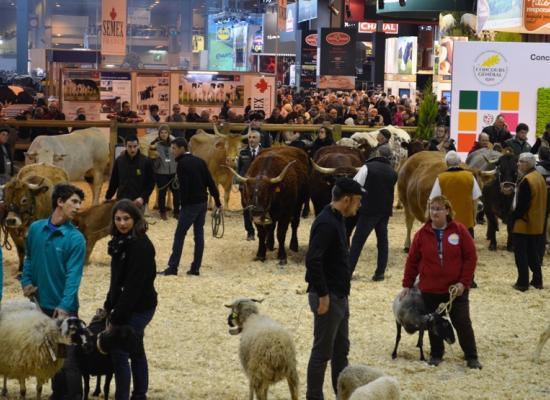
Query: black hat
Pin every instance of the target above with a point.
(349, 186)
(386, 133)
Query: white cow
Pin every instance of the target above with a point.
(83, 153)
(398, 141)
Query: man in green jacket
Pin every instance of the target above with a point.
(52, 270)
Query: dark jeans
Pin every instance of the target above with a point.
(460, 317)
(67, 383)
(163, 185)
(365, 225)
(529, 252)
(330, 342)
(194, 214)
(140, 370)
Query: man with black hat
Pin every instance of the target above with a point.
(376, 176)
(328, 277)
(256, 119)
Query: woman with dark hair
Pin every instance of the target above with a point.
(164, 167)
(132, 298)
(324, 138)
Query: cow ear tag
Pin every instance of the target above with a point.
(277, 189)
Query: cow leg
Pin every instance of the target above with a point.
(21, 256)
(294, 233)
(86, 393)
(260, 255)
(107, 386)
(409, 221)
(226, 193)
(492, 224)
(96, 185)
(282, 227)
(270, 240)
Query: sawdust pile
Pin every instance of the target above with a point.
(192, 356)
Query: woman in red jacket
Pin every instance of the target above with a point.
(443, 254)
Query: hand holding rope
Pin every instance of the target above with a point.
(218, 225)
(445, 308)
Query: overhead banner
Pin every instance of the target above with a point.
(307, 9)
(113, 27)
(401, 55)
(489, 78)
(522, 16)
(220, 46)
(338, 51)
(261, 91)
(308, 71)
(389, 28)
(281, 16)
(354, 10)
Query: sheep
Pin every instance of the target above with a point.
(469, 20)
(266, 349)
(17, 305)
(446, 23)
(410, 313)
(354, 376)
(383, 388)
(28, 340)
(544, 337)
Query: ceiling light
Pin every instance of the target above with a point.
(57, 5)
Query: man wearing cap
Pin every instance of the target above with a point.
(528, 217)
(255, 125)
(377, 177)
(328, 277)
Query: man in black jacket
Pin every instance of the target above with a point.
(132, 177)
(246, 156)
(6, 162)
(376, 176)
(328, 276)
(498, 132)
(194, 179)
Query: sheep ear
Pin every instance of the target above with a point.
(257, 301)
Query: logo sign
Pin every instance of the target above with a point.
(338, 38)
(113, 27)
(490, 68)
(372, 26)
(311, 40)
(536, 14)
(223, 33)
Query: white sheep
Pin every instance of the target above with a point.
(17, 305)
(446, 23)
(544, 337)
(266, 349)
(348, 142)
(354, 376)
(469, 20)
(29, 340)
(383, 388)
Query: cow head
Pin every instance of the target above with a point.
(44, 155)
(258, 193)
(231, 144)
(506, 173)
(19, 195)
(329, 175)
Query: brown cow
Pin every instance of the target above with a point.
(28, 197)
(275, 189)
(217, 150)
(95, 224)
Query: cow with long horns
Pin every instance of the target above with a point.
(275, 189)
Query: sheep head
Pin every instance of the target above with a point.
(73, 330)
(241, 309)
(441, 327)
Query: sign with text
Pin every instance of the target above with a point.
(308, 71)
(338, 51)
(261, 91)
(372, 26)
(536, 14)
(113, 27)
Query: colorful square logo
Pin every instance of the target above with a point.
(488, 100)
(509, 101)
(468, 100)
(465, 142)
(512, 120)
(467, 121)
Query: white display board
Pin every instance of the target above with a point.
(492, 78)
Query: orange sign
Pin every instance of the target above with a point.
(536, 14)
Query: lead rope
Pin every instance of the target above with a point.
(445, 308)
(218, 224)
(5, 243)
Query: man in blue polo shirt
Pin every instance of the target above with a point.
(52, 270)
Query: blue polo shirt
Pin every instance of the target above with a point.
(54, 260)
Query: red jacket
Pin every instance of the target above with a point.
(436, 275)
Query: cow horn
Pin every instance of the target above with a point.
(323, 170)
(489, 173)
(490, 160)
(217, 132)
(240, 178)
(281, 176)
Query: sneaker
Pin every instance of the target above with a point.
(435, 361)
(378, 277)
(473, 363)
(193, 272)
(520, 288)
(169, 271)
(250, 237)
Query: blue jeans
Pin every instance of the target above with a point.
(140, 370)
(194, 214)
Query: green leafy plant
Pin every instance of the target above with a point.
(427, 114)
(543, 109)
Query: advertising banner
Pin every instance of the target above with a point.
(337, 82)
(153, 88)
(307, 9)
(338, 51)
(220, 46)
(261, 91)
(490, 78)
(401, 55)
(444, 55)
(115, 88)
(139, 16)
(291, 25)
(204, 90)
(281, 16)
(536, 14)
(308, 71)
(81, 86)
(113, 27)
(522, 16)
(354, 10)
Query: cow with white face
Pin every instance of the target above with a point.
(84, 153)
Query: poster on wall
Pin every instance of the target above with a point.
(308, 71)
(113, 27)
(406, 55)
(521, 16)
(261, 91)
(489, 78)
(115, 88)
(81, 86)
(338, 51)
(307, 9)
(211, 89)
(444, 53)
(220, 46)
(91, 108)
(153, 88)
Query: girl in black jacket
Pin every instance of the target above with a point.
(132, 298)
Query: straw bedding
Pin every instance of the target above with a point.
(192, 356)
